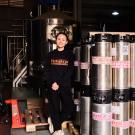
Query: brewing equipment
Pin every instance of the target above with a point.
(132, 90)
(121, 85)
(44, 29)
(101, 79)
(85, 90)
(76, 51)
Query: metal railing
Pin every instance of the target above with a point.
(16, 58)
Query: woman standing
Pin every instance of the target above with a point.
(60, 65)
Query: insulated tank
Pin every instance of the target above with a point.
(44, 29)
(101, 79)
(121, 85)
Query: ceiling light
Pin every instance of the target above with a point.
(115, 13)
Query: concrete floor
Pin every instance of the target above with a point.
(20, 94)
(23, 132)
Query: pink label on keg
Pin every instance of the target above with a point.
(132, 123)
(85, 65)
(102, 116)
(101, 60)
(120, 64)
(120, 124)
(76, 63)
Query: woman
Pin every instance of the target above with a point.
(60, 65)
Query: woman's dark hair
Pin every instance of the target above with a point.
(62, 34)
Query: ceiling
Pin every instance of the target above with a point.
(92, 15)
(97, 15)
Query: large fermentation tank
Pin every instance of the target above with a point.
(121, 85)
(101, 79)
(44, 29)
(85, 125)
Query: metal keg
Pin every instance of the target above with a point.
(121, 85)
(76, 52)
(121, 62)
(77, 88)
(101, 62)
(85, 104)
(85, 115)
(132, 90)
(101, 85)
(85, 64)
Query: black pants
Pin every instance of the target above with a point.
(61, 106)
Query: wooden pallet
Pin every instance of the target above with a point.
(35, 120)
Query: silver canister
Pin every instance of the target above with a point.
(85, 64)
(76, 52)
(121, 85)
(120, 118)
(101, 62)
(132, 90)
(85, 116)
(101, 85)
(121, 62)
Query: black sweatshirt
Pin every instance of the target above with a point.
(59, 67)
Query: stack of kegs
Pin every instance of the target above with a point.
(107, 78)
(76, 92)
(101, 78)
(132, 90)
(121, 85)
(85, 99)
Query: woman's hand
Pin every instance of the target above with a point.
(55, 86)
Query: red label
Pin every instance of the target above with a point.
(132, 123)
(120, 124)
(85, 65)
(102, 60)
(102, 116)
(120, 64)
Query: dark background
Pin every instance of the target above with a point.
(92, 15)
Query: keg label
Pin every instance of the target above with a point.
(85, 65)
(132, 123)
(116, 109)
(124, 50)
(76, 63)
(120, 64)
(120, 124)
(102, 116)
(113, 51)
(101, 60)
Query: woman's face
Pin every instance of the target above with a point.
(61, 41)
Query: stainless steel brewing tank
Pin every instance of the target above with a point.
(44, 31)
(101, 62)
(85, 64)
